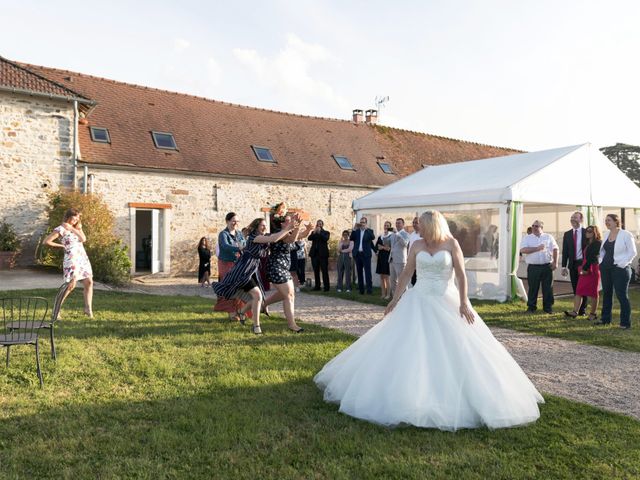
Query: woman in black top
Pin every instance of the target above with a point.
(204, 268)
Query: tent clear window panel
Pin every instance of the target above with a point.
(478, 233)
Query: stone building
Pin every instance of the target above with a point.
(170, 165)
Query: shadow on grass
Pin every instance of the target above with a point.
(286, 431)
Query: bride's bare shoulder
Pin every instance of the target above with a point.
(451, 243)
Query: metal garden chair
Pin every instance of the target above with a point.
(29, 313)
(49, 324)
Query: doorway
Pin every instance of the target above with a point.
(144, 241)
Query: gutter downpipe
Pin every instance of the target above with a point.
(75, 145)
(85, 184)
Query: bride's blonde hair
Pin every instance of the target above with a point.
(434, 227)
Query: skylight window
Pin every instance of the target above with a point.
(386, 168)
(100, 135)
(343, 162)
(263, 154)
(164, 140)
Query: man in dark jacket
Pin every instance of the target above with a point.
(319, 254)
(363, 245)
(573, 243)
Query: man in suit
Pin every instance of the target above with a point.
(319, 254)
(398, 253)
(573, 243)
(363, 245)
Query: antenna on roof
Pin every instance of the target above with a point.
(380, 102)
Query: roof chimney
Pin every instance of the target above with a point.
(371, 117)
(358, 117)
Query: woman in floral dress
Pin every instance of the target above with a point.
(76, 265)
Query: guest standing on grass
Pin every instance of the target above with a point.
(589, 274)
(244, 276)
(319, 253)
(574, 242)
(383, 247)
(345, 247)
(75, 265)
(541, 252)
(204, 265)
(616, 254)
(363, 246)
(413, 237)
(398, 254)
(230, 245)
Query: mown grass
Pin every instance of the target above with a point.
(512, 315)
(159, 387)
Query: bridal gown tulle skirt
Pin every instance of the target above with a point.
(424, 365)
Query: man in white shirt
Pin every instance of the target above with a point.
(413, 236)
(541, 252)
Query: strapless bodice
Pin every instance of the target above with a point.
(434, 272)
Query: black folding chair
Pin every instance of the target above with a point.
(29, 313)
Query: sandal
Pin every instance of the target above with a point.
(593, 316)
(257, 330)
(572, 314)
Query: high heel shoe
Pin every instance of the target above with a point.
(242, 318)
(593, 316)
(300, 330)
(265, 309)
(257, 330)
(573, 314)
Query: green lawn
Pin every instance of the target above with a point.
(159, 387)
(511, 315)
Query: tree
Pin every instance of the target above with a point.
(109, 258)
(626, 158)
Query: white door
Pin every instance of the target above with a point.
(155, 241)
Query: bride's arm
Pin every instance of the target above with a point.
(461, 279)
(404, 279)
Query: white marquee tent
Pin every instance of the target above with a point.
(493, 191)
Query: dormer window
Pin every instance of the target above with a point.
(343, 162)
(263, 154)
(164, 140)
(100, 135)
(385, 167)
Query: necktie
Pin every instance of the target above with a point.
(575, 244)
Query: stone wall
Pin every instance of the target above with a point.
(35, 158)
(200, 203)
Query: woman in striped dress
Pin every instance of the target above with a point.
(244, 277)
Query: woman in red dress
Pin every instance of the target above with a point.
(589, 274)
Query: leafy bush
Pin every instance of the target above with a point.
(109, 258)
(8, 238)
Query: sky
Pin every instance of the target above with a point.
(529, 75)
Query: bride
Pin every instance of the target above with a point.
(431, 362)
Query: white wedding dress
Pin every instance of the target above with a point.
(424, 365)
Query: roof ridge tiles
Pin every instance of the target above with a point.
(182, 94)
(22, 66)
(415, 132)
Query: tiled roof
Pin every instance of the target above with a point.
(216, 137)
(16, 77)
